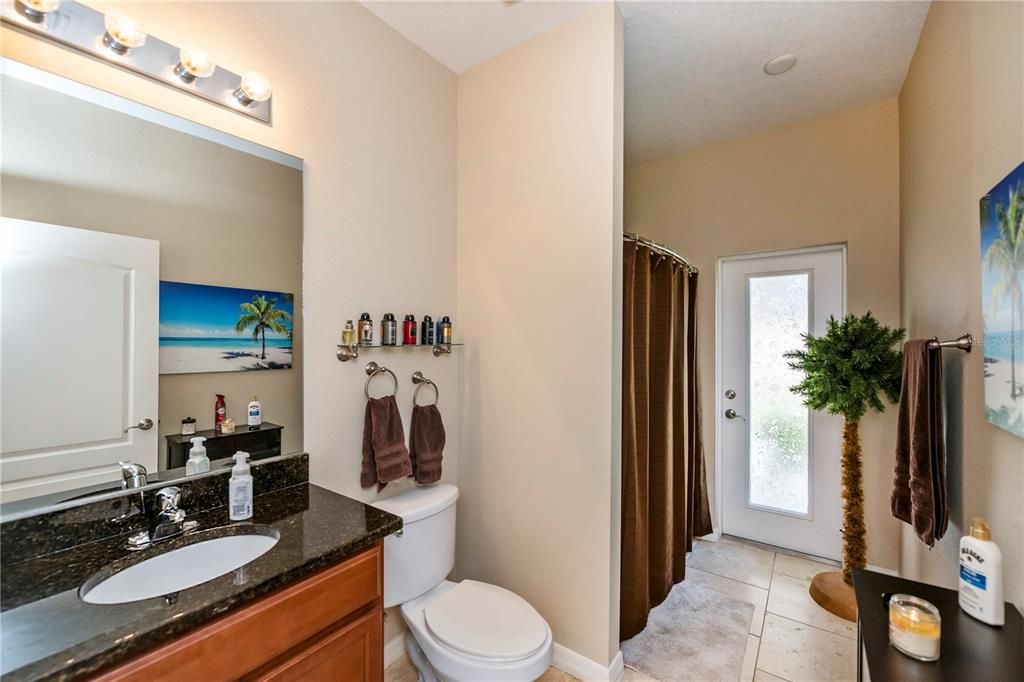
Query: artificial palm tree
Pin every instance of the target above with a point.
(262, 314)
(1004, 258)
(846, 372)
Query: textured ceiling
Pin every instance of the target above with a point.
(694, 70)
(463, 33)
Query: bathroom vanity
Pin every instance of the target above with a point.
(309, 607)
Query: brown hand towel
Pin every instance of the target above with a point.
(919, 485)
(385, 457)
(426, 443)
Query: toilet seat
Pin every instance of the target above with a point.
(450, 663)
(486, 621)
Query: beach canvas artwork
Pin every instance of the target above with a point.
(222, 329)
(1002, 282)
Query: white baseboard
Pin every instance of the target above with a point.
(581, 667)
(394, 649)
(881, 569)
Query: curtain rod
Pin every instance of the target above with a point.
(660, 249)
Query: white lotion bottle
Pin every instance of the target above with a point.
(981, 575)
(255, 413)
(198, 462)
(240, 489)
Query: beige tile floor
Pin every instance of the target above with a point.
(791, 638)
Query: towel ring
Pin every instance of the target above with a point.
(421, 381)
(372, 370)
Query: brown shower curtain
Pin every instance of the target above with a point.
(664, 483)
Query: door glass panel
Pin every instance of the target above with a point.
(778, 467)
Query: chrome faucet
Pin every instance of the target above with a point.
(167, 521)
(133, 475)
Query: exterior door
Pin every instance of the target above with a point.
(78, 356)
(779, 461)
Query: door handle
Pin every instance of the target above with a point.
(733, 414)
(144, 425)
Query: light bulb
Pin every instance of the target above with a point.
(36, 10)
(253, 88)
(194, 62)
(123, 32)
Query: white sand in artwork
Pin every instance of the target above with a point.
(182, 359)
(997, 387)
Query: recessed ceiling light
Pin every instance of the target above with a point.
(780, 64)
(510, 3)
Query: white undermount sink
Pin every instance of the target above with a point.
(181, 568)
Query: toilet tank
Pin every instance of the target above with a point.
(423, 554)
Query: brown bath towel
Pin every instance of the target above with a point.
(385, 457)
(426, 443)
(919, 485)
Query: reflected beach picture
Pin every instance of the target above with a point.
(223, 329)
(1002, 285)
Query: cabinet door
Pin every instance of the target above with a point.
(351, 653)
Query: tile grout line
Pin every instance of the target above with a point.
(800, 622)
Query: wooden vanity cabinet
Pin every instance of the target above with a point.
(328, 626)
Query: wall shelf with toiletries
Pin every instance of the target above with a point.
(346, 353)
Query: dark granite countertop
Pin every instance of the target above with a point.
(48, 632)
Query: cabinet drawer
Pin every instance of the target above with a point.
(255, 635)
(353, 653)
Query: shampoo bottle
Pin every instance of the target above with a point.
(198, 462)
(981, 575)
(240, 489)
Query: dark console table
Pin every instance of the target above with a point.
(262, 442)
(969, 649)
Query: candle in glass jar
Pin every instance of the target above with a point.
(915, 627)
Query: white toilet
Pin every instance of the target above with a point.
(459, 632)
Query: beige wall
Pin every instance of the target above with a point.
(374, 117)
(539, 256)
(221, 216)
(961, 132)
(826, 180)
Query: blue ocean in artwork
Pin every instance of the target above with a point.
(998, 345)
(213, 342)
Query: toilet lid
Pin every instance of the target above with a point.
(486, 620)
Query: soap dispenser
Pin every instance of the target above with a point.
(240, 489)
(198, 462)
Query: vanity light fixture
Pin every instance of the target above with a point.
(120, 41)
(193, 62)
(254, 88)
(36, 10)
(123, 32)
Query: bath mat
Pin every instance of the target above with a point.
(695, 634)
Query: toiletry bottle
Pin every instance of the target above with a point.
(220, 412)
(427, 332)
(445, 337)
(981, 575)
(365, 330)
(240, 489)
(388, 330)
(188, 426)
(409, 330)
(255, 414)
(348, 334)
(198, 462)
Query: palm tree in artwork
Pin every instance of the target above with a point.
(262, 314)
(1005, 258)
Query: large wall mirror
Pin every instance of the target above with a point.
(149, 266)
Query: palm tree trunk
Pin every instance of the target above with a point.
(1013, 344)
(855, 548)
(263, 333)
